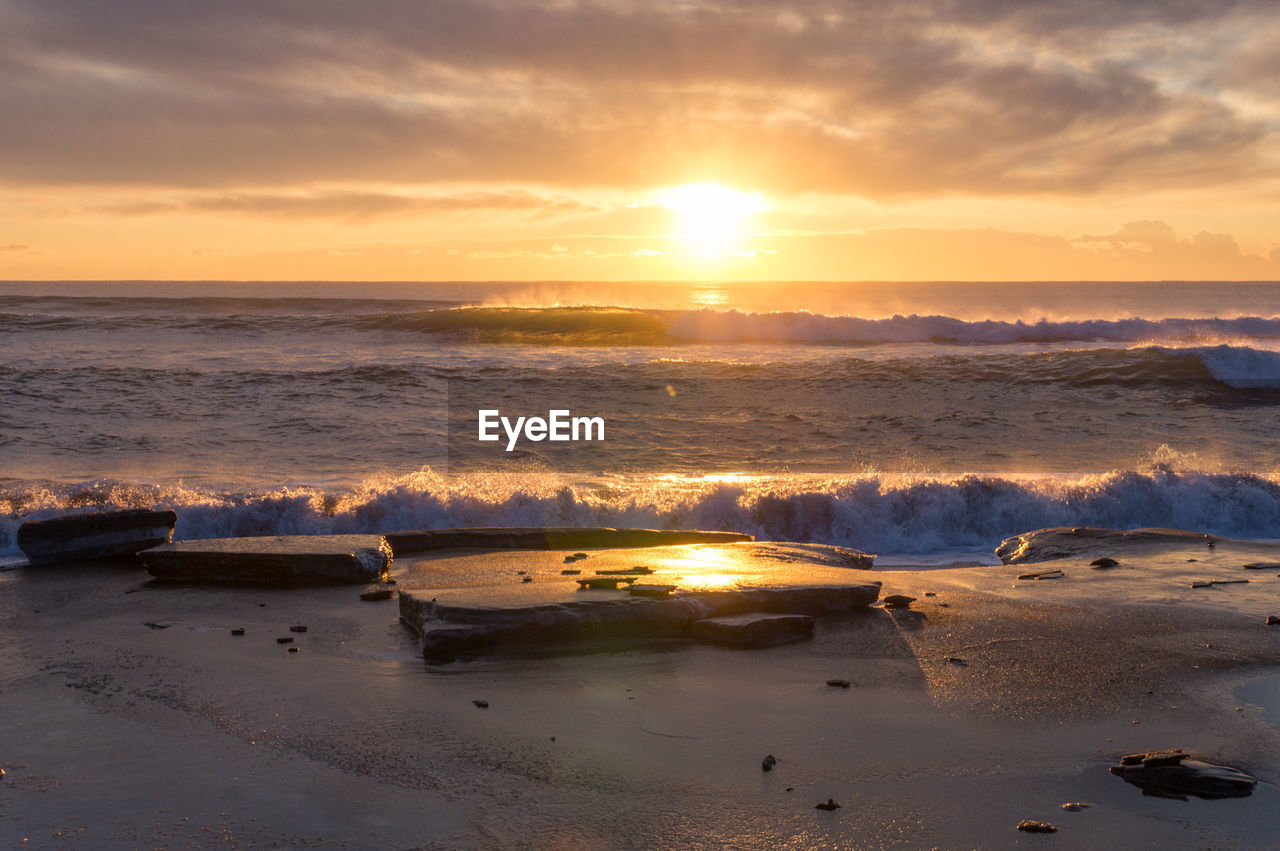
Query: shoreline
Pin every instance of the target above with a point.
(188, 735)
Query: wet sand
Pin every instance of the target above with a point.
(116, 733)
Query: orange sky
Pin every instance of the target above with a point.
(454, 140)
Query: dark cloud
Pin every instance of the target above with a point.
(882, 98)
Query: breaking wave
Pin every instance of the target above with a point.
(912, 515)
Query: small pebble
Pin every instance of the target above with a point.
(579, 555)
(768, 763)
(298, 628)
(238, 631)
(1075, 806)
(956, 660)
(288, 639)
(377, 594)
(1272, 620)
(1029, 826)
(481, 704)
(293, 650)
(838, 683)
(527, 579)
(931, 593)
(829, 806)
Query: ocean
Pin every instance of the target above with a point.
(920, 421)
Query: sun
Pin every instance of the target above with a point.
(709, 211)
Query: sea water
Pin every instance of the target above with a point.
(901, 418)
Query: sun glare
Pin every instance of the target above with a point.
(709, 211)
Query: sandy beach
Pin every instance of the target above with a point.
(991, 701)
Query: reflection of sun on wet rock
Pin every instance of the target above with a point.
(1175, 774)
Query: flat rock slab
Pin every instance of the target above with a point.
(753, 630)
(1174, 774)
(1078, 541)
(546, 538)
(100, 535)
(279, 561)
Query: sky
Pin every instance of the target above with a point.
(640, 140)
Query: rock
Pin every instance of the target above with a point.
(570, 559)
(293, 650)
(480, 704)
(931, 593)
(1175, 774)
(956, 660)
(547, 538)
(898, 601)
(1103, 563)
(753, 630)
(373, 594)
(627, 571)
(238, 631)
(101, 535)
(1088, 541)
(527, 579)
(607, 582)
(1263, 565)
(1044, 574)
(297, 628)
(1209, 583)
(1075, 806)
(521, 572)
(1272, 620)
(450, 631)
(158, 624)
(829, 806)
(570, 572)
(838, 683)
(1029, 826)
(579, 555)
(856, 558)
(768, 763)
(288, 639)
(281, 561)
(651, 590)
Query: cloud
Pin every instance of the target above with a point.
(15, 248)
(885, 99)
(352, 207)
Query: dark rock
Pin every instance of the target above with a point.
(1088, 541)
(753, 630)
(626, 571)
(297, 628)
(898, 601)
(570, 559)
(527, 579)
(641, 590)
(1075, 806)
(238, 631)
(101, 535)
(521, 572)
(1029, 826)
(1175, 774)
(293, 650)
(579, 555)
(608, 582)
(931, 593)
(288, 639)
(768, 763)
(956, 660)
(1044, 574)
(1272, 620)
(1103, 563)
(829, 806)
(133, 591)
(570, 572)
(546, 538)
(481, 704)
(373, 594)
(838, 683)
(281, 561)
(856, 558)
(1263, 565)
(158, 624)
